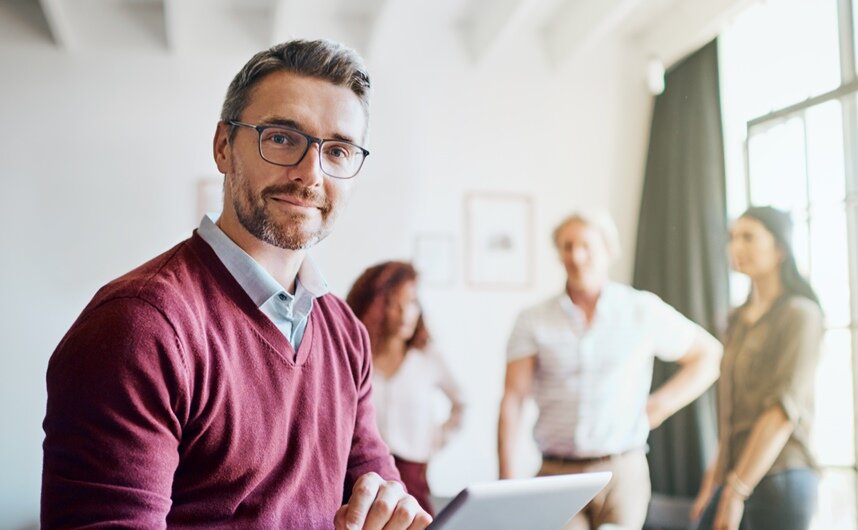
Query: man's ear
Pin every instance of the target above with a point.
(223, 148)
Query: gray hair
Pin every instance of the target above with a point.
(601, 221)
(322, 59)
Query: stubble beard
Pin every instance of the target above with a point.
(253, 213)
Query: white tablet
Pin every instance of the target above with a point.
(543, 503)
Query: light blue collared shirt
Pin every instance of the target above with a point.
(287, 311)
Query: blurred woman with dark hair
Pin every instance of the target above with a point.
(407, 372)
(764, 476)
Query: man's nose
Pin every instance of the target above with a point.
(579, 255)
(309, 169)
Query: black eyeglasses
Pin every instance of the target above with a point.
(284, 146)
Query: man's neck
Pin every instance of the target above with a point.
(585, 299)
(282, 264)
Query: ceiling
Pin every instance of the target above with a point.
(665, 30)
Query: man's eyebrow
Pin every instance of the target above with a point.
(286, 122)
(344, 138)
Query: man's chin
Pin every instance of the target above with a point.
(576, 283)
(292, 240)
(584, 285)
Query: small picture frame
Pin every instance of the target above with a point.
(434, 259)
(499, 252)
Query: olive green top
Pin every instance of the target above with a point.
(767, 363)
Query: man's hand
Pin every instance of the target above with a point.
(656, 412)
(378, 504)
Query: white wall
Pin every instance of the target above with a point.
(101, 152)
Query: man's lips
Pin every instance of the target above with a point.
(291, 199)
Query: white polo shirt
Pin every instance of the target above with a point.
(591, 384)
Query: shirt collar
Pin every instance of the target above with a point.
(603, 304)
(257, 282)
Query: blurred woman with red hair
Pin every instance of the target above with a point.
(407, 372)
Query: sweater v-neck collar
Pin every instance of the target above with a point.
(236, 295)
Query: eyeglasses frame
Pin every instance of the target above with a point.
(310, 141)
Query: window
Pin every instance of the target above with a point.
(788, 112)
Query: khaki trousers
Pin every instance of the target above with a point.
(623, 502)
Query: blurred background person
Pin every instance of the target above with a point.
(764, 475)
(587, 356)
(407, 372)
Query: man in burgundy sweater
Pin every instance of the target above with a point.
(219, 385)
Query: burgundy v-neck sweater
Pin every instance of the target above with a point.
(174, 402)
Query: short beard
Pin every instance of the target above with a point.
(253, 215)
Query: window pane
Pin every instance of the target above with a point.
(825, 153)
(833, 436)
(776, 164)
(829, 267)
(836, 501)
(781, 52)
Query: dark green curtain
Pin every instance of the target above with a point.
(680, 252)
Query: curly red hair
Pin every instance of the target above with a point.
(371, 295)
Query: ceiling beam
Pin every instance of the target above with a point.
(367, 24)
(57, 16)
(222, 25)
(105, 24)
(23, 21)
(351, 23)
(307, 20)
(173, 22)
(687, 28)
(492, 22)
(580, 23)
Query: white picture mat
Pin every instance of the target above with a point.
(499, 229)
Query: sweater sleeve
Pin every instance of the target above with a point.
(368, 451)
(116, 385)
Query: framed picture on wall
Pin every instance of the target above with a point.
(434, 259)
(498, 245)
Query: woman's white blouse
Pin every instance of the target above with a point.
(407, 404)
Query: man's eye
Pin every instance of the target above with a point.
(337, 151)
(281, 138)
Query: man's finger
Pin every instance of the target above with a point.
(384, 509)
(421, 520)
(407, 515)
(363, 495)
(340, 518)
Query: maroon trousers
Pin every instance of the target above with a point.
(414, 477)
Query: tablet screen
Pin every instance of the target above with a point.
(542, 503)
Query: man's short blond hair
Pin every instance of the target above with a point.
(598, 219)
